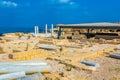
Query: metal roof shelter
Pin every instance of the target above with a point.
(103, 25)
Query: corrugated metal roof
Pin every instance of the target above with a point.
(104, 24)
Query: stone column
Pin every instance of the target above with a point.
(46, 28)
(51, 29)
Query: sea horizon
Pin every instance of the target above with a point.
(4, 30)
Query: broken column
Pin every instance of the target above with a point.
(36, 76)
(117, 56)
(90, 63)
(13, 75)
(26, 68)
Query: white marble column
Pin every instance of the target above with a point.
(46, 28)
(37, 30)
(51, 29)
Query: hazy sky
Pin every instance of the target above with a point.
(27, 13)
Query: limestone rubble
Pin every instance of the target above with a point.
(65, 61)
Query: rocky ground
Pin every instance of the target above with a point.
(109, 67)
(109, 70)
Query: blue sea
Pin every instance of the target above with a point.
(18, 29)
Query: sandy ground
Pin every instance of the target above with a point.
(109, 67)
(109, 70)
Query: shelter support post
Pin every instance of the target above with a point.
(88, 33)
(59, 32)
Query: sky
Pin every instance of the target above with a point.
(28, 13)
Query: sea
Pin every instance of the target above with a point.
(4, 30)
